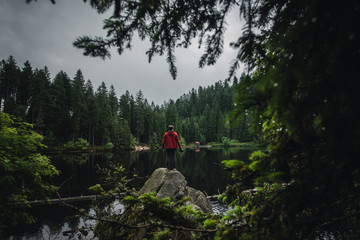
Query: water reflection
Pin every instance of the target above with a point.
(202, 170)
(55, 222)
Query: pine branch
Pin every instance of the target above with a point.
(93, 47)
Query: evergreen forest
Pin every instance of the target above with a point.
(298, 89)
(68, 110)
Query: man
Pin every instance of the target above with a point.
(170, 142)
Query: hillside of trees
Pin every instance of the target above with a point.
(65, 109)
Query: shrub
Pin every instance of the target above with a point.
(225, 142)
(79, 144)
(109, 146)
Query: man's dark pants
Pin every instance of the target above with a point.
(171, 158)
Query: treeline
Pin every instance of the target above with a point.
(66, 109)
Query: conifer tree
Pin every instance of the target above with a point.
(41, 101)
(103, 114)
(60, 112)
(23, 91)
(171, 114)
(91, 112)
(9, 80)
(139, 115)
(114, 121)
(78, 103)
(113, 101)
(125, 107)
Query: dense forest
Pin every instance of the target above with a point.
(299, 83)
(66, 109)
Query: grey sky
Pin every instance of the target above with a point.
(43, 33)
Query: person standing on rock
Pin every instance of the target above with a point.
(170, 142)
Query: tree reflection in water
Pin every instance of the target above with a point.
(202, 170)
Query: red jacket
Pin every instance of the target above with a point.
(170, 140)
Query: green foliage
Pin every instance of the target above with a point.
(300, 96)
(126, 140)
(209, 224)
(233, 163)
(109, 146)
(154, 218)
(23, 171)
(162, 235)
(182, 140)
(113, 180)
(78, 103)
(225, 142)
(96, 188)
(79, 144)
(145, 216)
(154, 143)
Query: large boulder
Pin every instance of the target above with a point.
(173, 184)
(199, 199)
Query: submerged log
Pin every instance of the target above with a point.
(68, 199)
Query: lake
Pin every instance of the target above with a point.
(202, 169)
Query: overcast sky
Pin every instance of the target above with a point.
(43, 33)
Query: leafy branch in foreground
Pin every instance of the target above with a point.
(154, 216)
(23, 171)
(145, 215)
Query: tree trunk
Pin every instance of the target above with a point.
(93, 137)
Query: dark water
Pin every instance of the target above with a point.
(202, 170)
